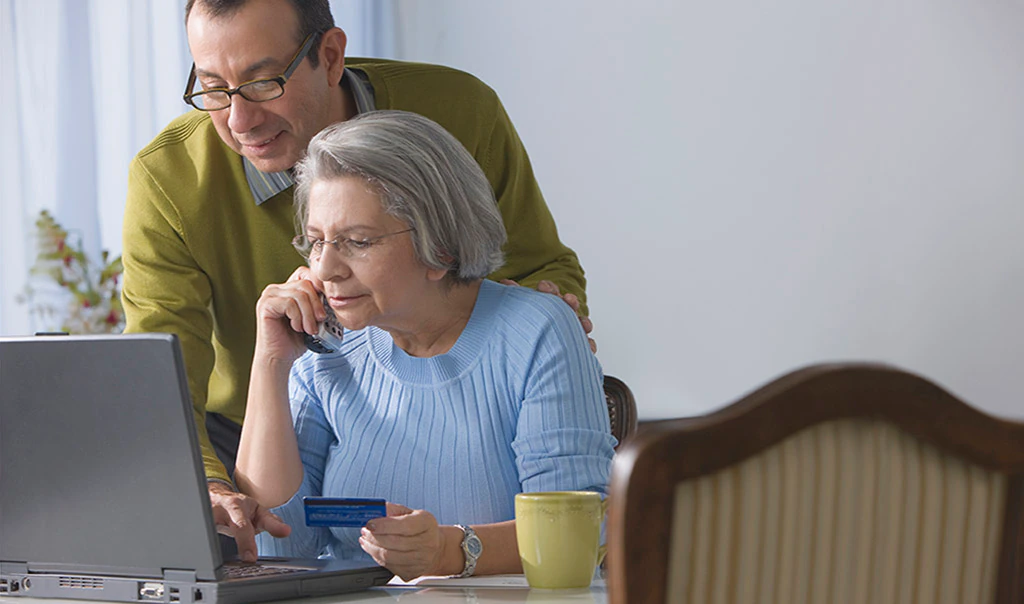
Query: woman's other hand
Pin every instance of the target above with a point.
(410, 543)
(283, 313)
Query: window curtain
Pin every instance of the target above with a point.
(87, 83)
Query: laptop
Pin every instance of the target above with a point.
(102, 489)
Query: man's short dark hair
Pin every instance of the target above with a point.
(314, 18)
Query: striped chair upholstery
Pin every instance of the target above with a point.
(840, 484)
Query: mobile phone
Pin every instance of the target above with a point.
(328, 338)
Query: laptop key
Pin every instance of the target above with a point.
(242, 571)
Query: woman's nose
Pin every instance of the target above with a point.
(331, 265)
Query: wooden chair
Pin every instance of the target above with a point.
(836, 483)
(621, 407)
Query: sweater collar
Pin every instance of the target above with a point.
(450, 365)
(265, 185)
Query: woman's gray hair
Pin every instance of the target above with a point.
(424, 177)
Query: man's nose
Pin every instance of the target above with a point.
(244, 115)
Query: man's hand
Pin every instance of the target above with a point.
(574, 303)
(239, 516)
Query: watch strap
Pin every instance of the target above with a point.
(471, 549)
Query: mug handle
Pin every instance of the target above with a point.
(603, 548)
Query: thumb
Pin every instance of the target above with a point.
(270, 522)
(397, 509)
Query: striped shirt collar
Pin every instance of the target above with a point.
(265, 185)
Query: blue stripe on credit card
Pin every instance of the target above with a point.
(342, 511)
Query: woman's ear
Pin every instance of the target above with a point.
(436, 274)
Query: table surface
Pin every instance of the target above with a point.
(470, 591)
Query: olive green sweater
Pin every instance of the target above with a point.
(198, 250)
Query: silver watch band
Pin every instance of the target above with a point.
(472, 547)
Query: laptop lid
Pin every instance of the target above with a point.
(100, 470)
(96, 457)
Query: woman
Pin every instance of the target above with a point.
(450, 393)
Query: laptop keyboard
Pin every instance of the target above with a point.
(243, 571)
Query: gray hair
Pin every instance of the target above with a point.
(424, 177)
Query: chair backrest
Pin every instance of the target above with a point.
(836, 483)
(621, 407)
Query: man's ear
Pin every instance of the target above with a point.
(332, 53)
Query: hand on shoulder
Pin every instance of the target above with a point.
(549, 287)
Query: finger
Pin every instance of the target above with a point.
(298, 302)
(220, 515)
(400, 543)
(307, 296)
(407, 566)
(509, 282)
(301, 273)
(304, 278)
(376, 552)
(300, 320)
(220, 501)
(403, 526)
(593, 345)
(548, 287)
(317, 283)
(407, 525)
(222, 521)
(313, 291)
(588, 325)
(313, 307)
(272, 523)
(245, 534)
(572, 301)
(300, 307)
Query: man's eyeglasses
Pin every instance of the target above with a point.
(312, 248)
(257, 91)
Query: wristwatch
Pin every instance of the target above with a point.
(471, 548)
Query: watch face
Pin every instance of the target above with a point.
(473, 546)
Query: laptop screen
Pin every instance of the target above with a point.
(99, 465)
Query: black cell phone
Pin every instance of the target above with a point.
(328, 338)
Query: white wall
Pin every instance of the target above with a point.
(755, 186)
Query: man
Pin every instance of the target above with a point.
(208, 220)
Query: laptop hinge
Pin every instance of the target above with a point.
(179, 576)
(13, 568)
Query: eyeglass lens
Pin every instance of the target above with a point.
(349, 248)
(257, 92)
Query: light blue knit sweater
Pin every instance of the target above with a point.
(515, 406)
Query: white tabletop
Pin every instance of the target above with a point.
(469, 595)
(507, 589)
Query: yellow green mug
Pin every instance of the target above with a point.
(558, 533)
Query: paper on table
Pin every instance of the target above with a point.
(516, 581)
(482, 581)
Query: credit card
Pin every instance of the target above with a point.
(342, 511)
